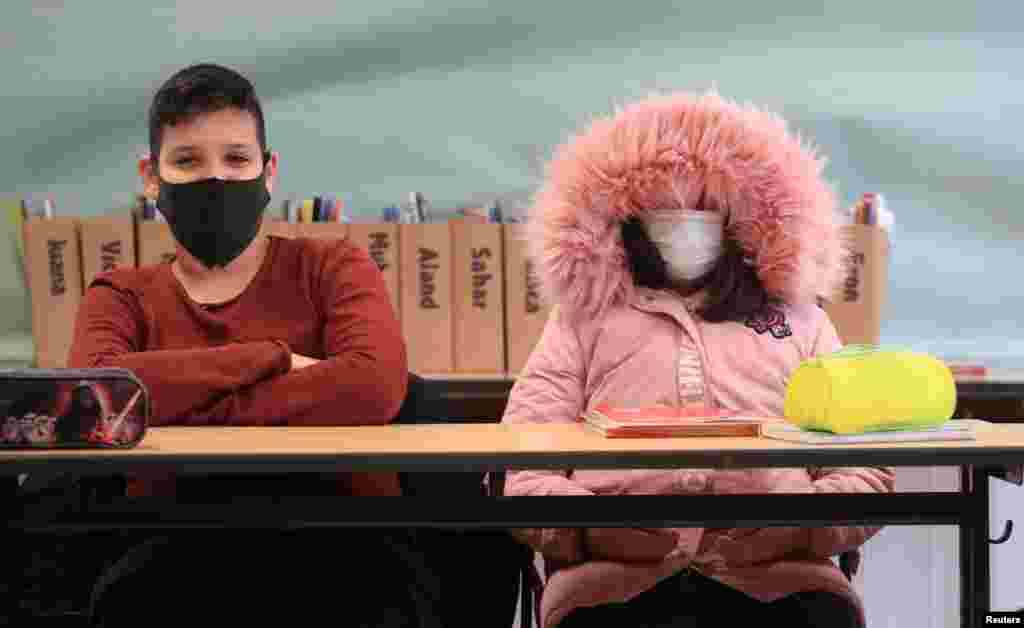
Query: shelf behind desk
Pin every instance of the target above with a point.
(998, 398)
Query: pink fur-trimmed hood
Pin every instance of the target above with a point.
(666, 152)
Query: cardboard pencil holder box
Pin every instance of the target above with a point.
(525, 312)
(856, 310)
(478, 297)
(53, 268)
(108, 242)
(321, 229)
(426, 296)
(381, 241)
(154, 242)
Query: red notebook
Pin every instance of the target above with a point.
(967, 369)
(665, 421)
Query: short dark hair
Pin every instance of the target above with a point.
(198, 89)
(734, 291)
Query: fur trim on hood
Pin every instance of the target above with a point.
(663, 153)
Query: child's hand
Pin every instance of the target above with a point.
(301, 361)
(629, 544)
(762, 545)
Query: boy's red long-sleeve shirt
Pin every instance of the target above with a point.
(229, 364)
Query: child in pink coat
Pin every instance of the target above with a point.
(685, 241)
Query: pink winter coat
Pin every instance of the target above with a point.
(629, 358)
(611, 341)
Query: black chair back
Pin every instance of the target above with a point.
(485, 566)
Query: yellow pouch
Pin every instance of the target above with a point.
(863, 388)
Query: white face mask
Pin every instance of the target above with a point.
(689, 241)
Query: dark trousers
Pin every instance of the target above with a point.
(364, 577)
(350, 577)
(689, 600)
(408, 578)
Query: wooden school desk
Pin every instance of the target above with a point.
(497, 447)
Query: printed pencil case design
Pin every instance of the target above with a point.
(72, 408)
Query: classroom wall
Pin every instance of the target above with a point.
(910, 574)
(920, 101)
(456, 99)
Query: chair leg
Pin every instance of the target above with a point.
(526, 600)
(496, 484)
(849, 563)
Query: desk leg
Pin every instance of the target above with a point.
(975, 575)
(8, 496)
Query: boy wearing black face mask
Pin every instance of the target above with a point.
(241, 328)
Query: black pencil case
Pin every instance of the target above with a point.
(72, 408)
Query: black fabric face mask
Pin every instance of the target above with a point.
(215, 220)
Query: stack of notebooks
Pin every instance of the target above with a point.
(663, 421)
(951, 430)
(668, 422)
